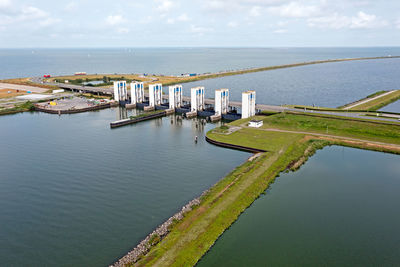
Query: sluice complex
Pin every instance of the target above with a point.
(195, 105)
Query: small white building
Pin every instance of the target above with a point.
(256, 123)
(248, 104)
(197, 99)
(221, 101)
(120, 92)
(155, 94)
(175, 96)
(137, 92)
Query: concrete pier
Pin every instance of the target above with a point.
(191, 114)
(169, 111)
(215, 118)
(130, 106)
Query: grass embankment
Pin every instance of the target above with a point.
(378, 103)
(27, 106)
(374, 104)
(88, 95)
(344, 127)
(368, 106)
(191, 237)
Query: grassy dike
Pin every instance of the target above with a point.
(380, 102)
(171, 80)
(190, 238)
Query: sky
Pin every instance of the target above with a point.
(210, 23)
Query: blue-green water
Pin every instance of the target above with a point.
(331, 85)
(327, 85)
(36, 62)
(73, 192)
(393, 107)
(340, 209)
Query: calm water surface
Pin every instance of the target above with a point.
(36, 62)
(328, 85)
(331, 85)
(340, 209)
(394, 107)
(73, 192)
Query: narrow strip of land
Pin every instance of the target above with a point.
(369, 100)
(289, 139)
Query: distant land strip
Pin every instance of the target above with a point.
(258, 69)
(170, 80)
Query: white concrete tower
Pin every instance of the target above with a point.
(155, 94)
(221, 101)
(197, 99)
(175, 96)
(248, 104)
(137, 92)
(120, 92)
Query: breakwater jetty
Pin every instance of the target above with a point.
(139, 118)
(157, 235)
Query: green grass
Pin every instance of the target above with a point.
(380, 102)
(27, 106)
(365, 98)
(346, 128)
(190, 238)
(269, 141)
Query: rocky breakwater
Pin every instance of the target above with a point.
(157, 235)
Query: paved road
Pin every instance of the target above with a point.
(33, 89)
(207, 101)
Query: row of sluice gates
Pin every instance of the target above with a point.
(197, 104)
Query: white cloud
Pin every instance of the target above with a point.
(30, 12)
(255, 11)
(5, 3)
(366, 21)
(224, 6)
(360, 21)
(146, 20)
(71, 6)
(280, 31)
(295, 10)
(28, 15)
(182, 18)
(114, 20)
(232, 24)
(397, 23)
(123, 30)
(164, 5)
(49, 22)
(199, 29)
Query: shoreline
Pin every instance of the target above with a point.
(220, 74)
